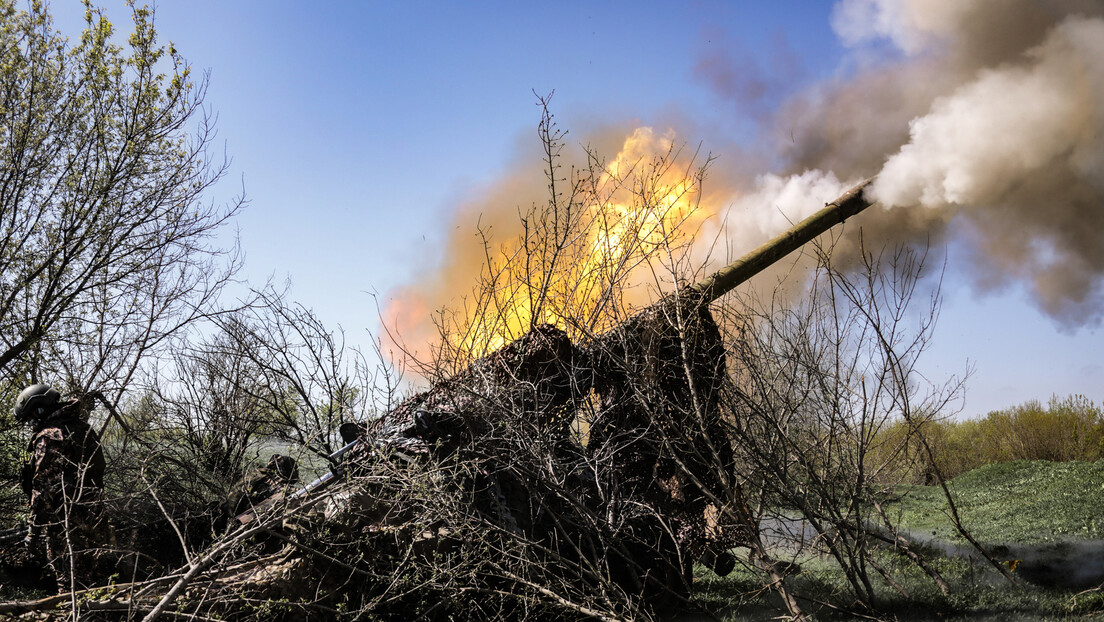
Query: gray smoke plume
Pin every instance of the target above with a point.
(991, 116)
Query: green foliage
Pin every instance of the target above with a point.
(977, 593)
(1014, 502)
(1035, 501)
(107, 257)
(1065, 429)
(1069, 429)
(1088, 602)
(1007, 505)
(12, 449)
(14, 436)
(104, 244)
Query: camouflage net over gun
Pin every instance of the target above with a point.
(549, 474)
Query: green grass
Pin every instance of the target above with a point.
(1021, 502)
(978, 594)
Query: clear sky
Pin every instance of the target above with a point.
(357, 128)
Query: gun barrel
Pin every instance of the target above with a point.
(728, 278)
(329, 475)
(344, 450)
(320, 482)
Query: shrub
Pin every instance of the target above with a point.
(1064, 430)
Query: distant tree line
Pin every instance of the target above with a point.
(1064, 429)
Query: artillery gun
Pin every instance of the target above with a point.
(625, 506)
(641, 500)
(657, 464)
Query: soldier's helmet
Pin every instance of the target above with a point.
(36, 402)
(284, 467)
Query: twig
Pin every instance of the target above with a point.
(200, 565)
(560, 599)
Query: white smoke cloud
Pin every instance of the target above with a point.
(985, 126)
(776, 203)
(983, 122)
(978, 144)
(911, 26)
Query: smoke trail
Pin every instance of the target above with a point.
(991, 117)
(1021, 147)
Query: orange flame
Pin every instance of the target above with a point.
(612, 239)
(632, 216)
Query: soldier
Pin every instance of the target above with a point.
(64, 481)
(262, 483)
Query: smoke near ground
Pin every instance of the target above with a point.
(982, 120)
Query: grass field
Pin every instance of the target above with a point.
(1013, 502)
(1040, 514)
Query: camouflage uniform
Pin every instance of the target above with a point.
(261, 484)
(64, 480)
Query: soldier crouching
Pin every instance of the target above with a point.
(64, 480)
(258, 486)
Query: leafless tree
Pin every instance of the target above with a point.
(263, 380)
(308, 379)
(814, 386)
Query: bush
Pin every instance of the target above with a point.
(1064, 430)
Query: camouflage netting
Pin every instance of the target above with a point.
(485, 496)
(659, 430)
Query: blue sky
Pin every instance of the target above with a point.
(356, 128)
